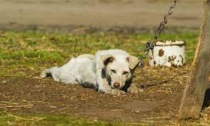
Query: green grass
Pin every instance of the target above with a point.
(27, 53)
(46, 120)
(32, 51)
(16, 119)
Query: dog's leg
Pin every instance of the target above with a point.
(102, 83)
(105, 88)
(116, 92)
(134, 89)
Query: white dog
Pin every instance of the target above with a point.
(109, 71)
(80, 70)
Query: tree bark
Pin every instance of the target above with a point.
(194, 93)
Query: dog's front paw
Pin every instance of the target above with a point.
(116, 92)
(134, 89)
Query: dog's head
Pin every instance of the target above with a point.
(119, 69)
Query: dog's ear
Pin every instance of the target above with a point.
(133, 62)
(106, 59)
(103, 60)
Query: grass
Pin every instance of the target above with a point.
(45, 120)
(27, 53)
(16, 119)
(28, 49)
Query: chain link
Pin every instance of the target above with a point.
(150, 45)
(165, 21)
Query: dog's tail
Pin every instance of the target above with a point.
(47, 72)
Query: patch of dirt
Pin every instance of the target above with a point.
(76, 15)
(159, 102)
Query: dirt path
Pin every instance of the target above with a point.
(97, 13)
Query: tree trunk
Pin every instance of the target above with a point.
(194, 93)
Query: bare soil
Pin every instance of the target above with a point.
(159, 102)
(103, 14)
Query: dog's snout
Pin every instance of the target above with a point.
(116, 85)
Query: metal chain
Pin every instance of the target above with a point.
(150, 45)
(165, 21)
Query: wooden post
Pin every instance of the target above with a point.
(194, 93)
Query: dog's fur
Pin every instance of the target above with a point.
(109, 71)
(80, 70)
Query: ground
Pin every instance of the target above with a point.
(158, 102)
(25, 54)
(69, 15)
(124, 24)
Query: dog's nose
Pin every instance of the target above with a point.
(116, 85)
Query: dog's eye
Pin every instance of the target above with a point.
(113, 71)
(125, 73)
